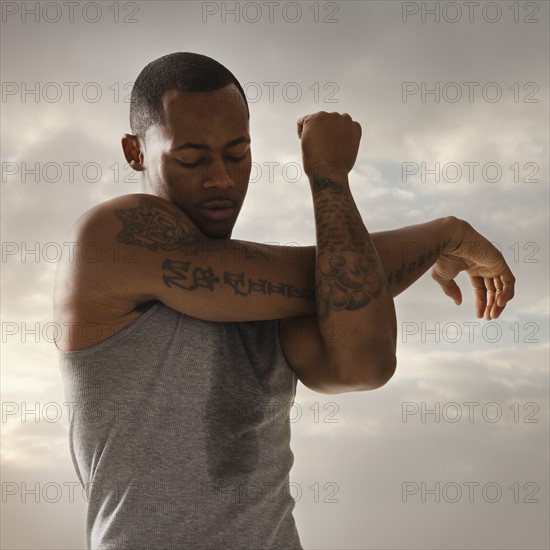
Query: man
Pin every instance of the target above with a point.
(187, 345)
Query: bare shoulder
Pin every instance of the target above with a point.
(135, 211)
(92, 293)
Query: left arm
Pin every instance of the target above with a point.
(409, 252)
(448, 244)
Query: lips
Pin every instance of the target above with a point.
(217, 210)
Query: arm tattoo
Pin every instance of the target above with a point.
(348, 280)
(156, 227)
(183, 275)
(318, 184)
(179, 276)
(428, 256)
(348, 277)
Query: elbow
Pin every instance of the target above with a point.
(386, 371)
(352, 376)
(370, 374)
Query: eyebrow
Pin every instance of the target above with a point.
(203, 147)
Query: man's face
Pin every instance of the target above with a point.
(201, 155)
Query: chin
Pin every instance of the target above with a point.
(219, 234)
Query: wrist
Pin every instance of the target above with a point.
(334, 181)
(454, 232)
(326, 171)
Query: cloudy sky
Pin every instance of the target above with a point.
(453, 452)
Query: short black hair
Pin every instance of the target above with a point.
(185, 71)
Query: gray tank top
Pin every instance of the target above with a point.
(180, 434)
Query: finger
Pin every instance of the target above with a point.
(504, 292)
(300, 125)
(480, 293)
(496, 310)
(508, 288)
(450, 288)
(503, 280)
(491, 292)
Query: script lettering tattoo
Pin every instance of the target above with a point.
(243, 288)
(398, 275)
(199, 277)
(154, 226)
(184, 275)
(349, 277)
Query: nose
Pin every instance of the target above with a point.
(217, 176)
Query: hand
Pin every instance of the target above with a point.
(330, 143)
(489, 273)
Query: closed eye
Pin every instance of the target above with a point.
(191, 165)
(236, 159)
(204, 161)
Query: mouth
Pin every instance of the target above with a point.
(218, 210)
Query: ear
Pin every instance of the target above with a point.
(132, 152)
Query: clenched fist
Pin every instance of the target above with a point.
(330, 142)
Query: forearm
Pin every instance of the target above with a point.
(355, 310)
(251, 280)
(408, 252)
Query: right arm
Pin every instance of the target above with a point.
(139, 248)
